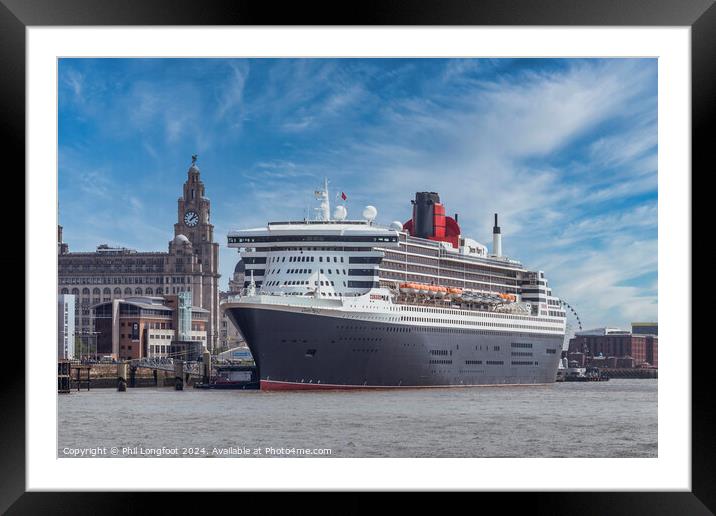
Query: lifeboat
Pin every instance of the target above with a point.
(423, 289)
(454, 293)
(508, 297)
(407, 288)
(441, 292)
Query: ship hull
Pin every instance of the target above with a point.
(301, 350)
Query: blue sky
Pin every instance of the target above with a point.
(564, 149)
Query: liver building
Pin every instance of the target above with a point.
(190, 265)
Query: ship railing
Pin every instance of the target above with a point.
(237, 297)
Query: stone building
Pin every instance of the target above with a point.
(191, 264)
(229, 335)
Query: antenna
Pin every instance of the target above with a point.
(324, 210)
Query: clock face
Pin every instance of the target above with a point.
(191, 219)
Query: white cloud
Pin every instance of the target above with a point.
(557, 153)
(489, 156)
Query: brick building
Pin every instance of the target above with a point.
(616, 347)
(149, 327)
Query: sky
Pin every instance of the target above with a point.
(565, 150)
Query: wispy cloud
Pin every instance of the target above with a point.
(564, 150)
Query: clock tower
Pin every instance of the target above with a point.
(201, 266)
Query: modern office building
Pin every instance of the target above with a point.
(191, 264)
(151, 327)
(65, 326)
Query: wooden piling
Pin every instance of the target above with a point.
(206, 362)
(122, 376)
(179, 375)
(63, 377)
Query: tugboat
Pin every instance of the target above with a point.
(574, 373)
(232, 376)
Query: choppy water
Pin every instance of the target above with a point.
(601, 419)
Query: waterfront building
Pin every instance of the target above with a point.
(626, 348)
(229, 334)
(645, 328)
(150, 327)
(191, 264)
(65, 326)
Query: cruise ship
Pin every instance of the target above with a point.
(335, 303)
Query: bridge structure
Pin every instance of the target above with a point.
(192, 368)
(185, 371)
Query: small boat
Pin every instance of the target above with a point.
(454, 293)
(407, 288)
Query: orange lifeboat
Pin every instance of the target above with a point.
(407, 288)
(455, 293)
(441, 292)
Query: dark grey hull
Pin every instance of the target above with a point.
(302, 350)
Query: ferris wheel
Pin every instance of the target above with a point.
(573, 323)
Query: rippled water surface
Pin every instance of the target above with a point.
(617, 418)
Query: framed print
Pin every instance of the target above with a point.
(360, 257)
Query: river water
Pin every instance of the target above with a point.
(617, 418)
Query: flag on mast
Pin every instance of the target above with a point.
(343, 196)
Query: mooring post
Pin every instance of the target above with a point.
(179, 375)
(122, 376)
(206, 362)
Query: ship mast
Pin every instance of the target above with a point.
(324, 210)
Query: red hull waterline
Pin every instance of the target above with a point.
(272, 385)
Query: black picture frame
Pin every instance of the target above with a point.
(700, 15)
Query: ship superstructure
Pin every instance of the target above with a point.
(338, 303)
